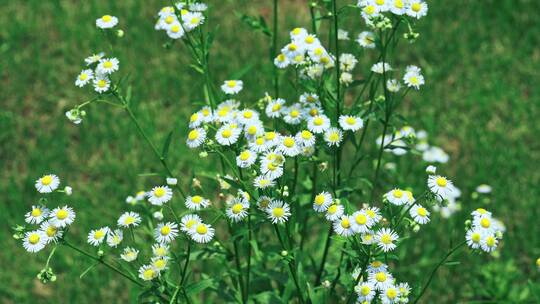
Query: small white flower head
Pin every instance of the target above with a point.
(175, 30)
(36, 215)
(51, 232)
(393, 85)
(368, 238)
(318, 124)
(288, 146)
(380, 279)
(365, 291)
(171, 181)
(361, 222)
(34, 241)
(62, 216)
(386, 239)
(366, 40)
(97, 236)
(148, 273)
(346, 78)
(417, 9)
(489, 242)
(441, 186)
(166, 232)
(101, 83)
(263, 202)
(333, 137)
(246, 158)
(396, 197)
(94, 58)
(474, 238)
(196, 137)
(47, 183)
(381, 67)
(68, 190)
(114, 238)
(248, 116)
(374, 214)
(435, 155)
(419, 214)
(232, 86)
(343, 226)
(347, 62)
(85, 76)
(198, 7)
(309, 99)
(281, 61)
(108, 66)
(160, 195)
(159, 263)
(263, 182)
(413, 77)
(398, 7)
(377, 266)
(480, 212)
(129, 254)
(197, 202)
(431, 169)
(278, 212)
(272, 165)
(334, 212)
(390, 295)
(237, 209)
(369, 11)
(343, 34)
(129, 219)
(305, 138)
(483, 189)
(322, 201)
(202, 233)
(275, 107)
(106, 22)
(294, 114)
(158, 215)
(228, 134)
(160, 249)
(350, 123)
(74, 115)
(192, 20)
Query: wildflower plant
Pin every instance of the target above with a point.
(286, 190)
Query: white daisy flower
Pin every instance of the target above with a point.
(274, 108)
(47, 183)
(334, 212)
(51, 232)
(129, 219)
(474, 238)
(237, 209)
(281, 61)
(347, 62)
(381, 5)
(84, 78)
(361, 222)
(101, 83)
(343, 34)
(263, 202)
(389, 295)
(165, 22)
(293, 49)
(207, 114)
(381, 67)
(396, 197)
(195, 120)
(166, 232)
(129, 254)
(386, 238)
(197, 202)
(293, 115)
(203, 233)
(270, 169)
(413, 77)
(171, 181)
(366, 292)
(380, 279)
(175, 30)
(419, 214)
(263, 182)
(232, 86)
(343, 226)
(36, 215)
(369, 11)
(377, 266)
(404, 290)
(159, 262)
(417, 9)
(106, 22)
(148, 273)
(278, 212)
(228, 134)
(254, 129)
(189, 222)
(34, 241)
(272, 139)
(198, 7)
(393, 85)
(322, 201)
(479, 212)
(192, 20)
(346, 78)
(107, 66)
(318, 124)
(441, 186)
(483, 189)
(350, 123)
(374, 214)
(62, 216)
(246, 158)
(160, 249)
(333, 137)
(160, 195)
(398, 7)
(435, 155)
(114, 238)
(366, 40)
(489, 243)
(305, 138)
(288, 146)
(196, 137)
(368, 238)
(258, 145)
(96, 237)
(309, 99)
(298, 33)
(94, 58)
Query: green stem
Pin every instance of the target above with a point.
(325, 254)
(291, 265)
(274, 49)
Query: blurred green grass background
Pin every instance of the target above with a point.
(481, 104)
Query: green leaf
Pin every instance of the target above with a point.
(199, 286)
(166, 145)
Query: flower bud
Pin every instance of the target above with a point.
(171, 181)
(284, 253)
(68, 190)
(158, 215)
(119, 33)
(431, 169)
(100, 253)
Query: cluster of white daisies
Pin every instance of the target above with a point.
(179, 19)
(485, 231)
(51, 223)
(373, 9)
(380, 282)
(98, 72)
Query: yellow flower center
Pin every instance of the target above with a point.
(248, 114)
(231, 83)
(481, 210)
(183, 12)
(361, 219)
(380, 276)
(281, 57)
(376, 264)
(398, 3)
(296, 31)
(333, 209)
(51, 231)
(193, 134)
(345, 223)
(160, 264)
(102, 83)
(34, 238)
(159, 192)
(386, 239)
(350, 120)
(245, 155)
(313, 112)
(310, 39)
(148, 273)
(414, 80)
(237, 208)
(36, 212)
(252, 130)
(319, 199)
(391, 293)
(416, 7)
(276, 107)
(226, 133)
(288, 142)
(333, 137)
(318, 121)
(190, 223)
(370, 9)
(365, 290)
(99, 234)
(259, 141)
(318, 51)
(475, 237)
(398, 193)
(306, 134)
(197, 199)
(292, 47)
(106, 18)
(165, 230)
(169, 19)
(201, 229)
(379, 2)
(62, 214)
(175, 28)
(107, 64)
(441, 181)
(47, 180)
(129, 220)
(490, 241)
(270, 135)
(278, 212)
(83, 76)
(485, 222)
(295, 113)
(422, 211)
(195, 21)
(194, 117)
